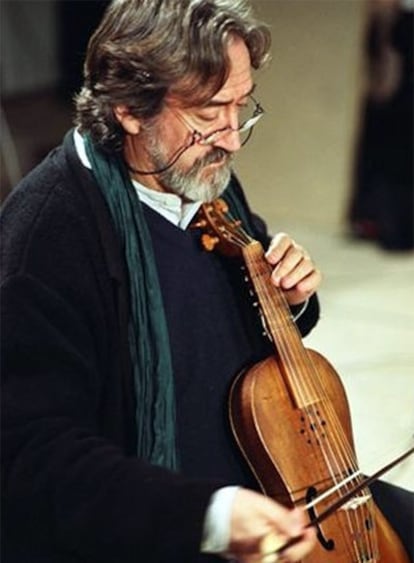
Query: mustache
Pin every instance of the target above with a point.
(215, 155)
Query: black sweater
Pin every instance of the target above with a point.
(72, 488)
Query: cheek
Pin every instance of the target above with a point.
(190, 156)
(174, 140)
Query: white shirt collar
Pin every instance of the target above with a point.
(170, 206)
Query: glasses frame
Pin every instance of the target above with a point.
(214, 136)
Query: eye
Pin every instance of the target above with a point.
(245, 110)
(207, 114)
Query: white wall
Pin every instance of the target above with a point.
(297, 165)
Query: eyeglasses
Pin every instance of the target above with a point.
(245, 126)
(206, 139)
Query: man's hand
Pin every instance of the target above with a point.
(294, 272)
(260, 525)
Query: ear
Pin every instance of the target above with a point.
(131, 124)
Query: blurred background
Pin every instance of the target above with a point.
(331, 163)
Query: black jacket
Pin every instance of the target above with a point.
(72, 488)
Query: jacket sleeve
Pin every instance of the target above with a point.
(60, 476)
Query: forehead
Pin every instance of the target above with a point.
(239, 82)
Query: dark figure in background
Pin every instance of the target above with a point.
(121, 335)
(382, 206)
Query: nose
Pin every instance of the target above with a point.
(229, 141)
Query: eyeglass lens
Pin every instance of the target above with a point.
(249, 115)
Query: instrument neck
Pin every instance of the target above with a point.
(280, 327)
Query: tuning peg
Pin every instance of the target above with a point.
(209, 242)
(200, 224)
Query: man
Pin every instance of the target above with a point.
(121, 334)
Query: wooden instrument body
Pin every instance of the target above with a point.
(290, 417)
(282, 447)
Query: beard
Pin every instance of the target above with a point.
(198, 183)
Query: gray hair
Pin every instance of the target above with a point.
(145, 49)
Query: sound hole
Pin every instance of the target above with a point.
(327, 544)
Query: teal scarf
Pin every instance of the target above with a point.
(148, 336)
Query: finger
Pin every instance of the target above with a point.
(269, 546)
(287, 522)
(302, 548)
(257, 558)
(293, 527)
(304, 289)
(278, 247)
(309, 284)
(293, 269)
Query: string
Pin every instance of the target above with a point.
(330, 491)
